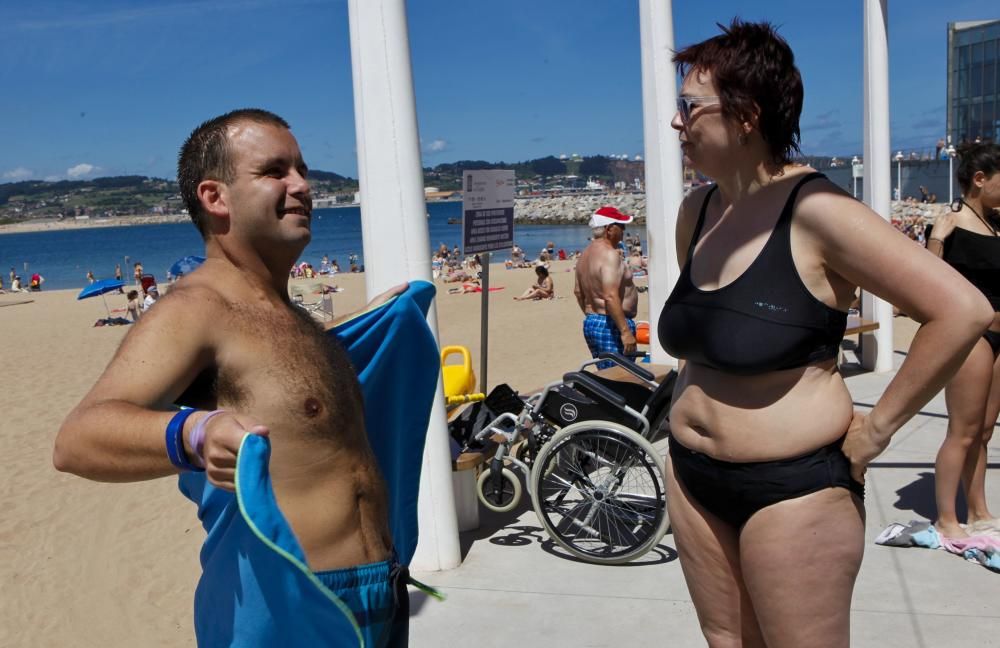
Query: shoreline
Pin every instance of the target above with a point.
(55, 224)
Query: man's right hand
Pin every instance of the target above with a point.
(223, 436)
(628, 339)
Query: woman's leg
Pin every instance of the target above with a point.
(974, 473)
(800, 558)
(709, 554)
(965, 396)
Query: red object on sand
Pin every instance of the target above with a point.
(642, 332)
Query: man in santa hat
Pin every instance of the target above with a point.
(604, 287)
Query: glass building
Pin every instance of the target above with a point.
(973, 84)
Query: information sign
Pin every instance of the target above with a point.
(487, 210)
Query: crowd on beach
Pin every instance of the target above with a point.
(327, 267)
(450, 266)
(17, 284)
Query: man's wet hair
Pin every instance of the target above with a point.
(755, 74)
(973, 157)
(206, 156)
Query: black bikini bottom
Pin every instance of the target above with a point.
(993, 337)
(735, 491)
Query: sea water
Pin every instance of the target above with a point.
(63, 257)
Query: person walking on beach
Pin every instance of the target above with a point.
(232, 345)
(604, 288)
(969, 241)
(137, 273)
(765, 480)
(118, 271)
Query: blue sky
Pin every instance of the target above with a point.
(92, 89)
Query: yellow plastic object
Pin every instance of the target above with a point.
(458, 379)
(464, 398)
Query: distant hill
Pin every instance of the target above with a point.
(140, 195)
(120, 196)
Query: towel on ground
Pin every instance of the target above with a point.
(981, 549)
(256, 588)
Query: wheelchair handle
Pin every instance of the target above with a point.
(583, 380)
(627, 365)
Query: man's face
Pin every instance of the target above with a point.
(615, 233)
(269, 198)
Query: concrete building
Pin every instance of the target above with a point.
(973, 85)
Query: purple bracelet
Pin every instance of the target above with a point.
(197, 438)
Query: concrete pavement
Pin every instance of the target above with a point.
(516, 588)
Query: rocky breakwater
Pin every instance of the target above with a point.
(907, 210)
(575, 209)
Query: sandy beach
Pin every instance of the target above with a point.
(88, 564)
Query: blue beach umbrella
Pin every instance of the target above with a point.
(100, 287)
(186, 265)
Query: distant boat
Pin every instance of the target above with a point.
(454, 221)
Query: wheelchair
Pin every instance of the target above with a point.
(583, 446)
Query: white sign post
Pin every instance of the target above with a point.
(487, 225)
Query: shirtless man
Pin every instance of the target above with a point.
(231, 341)
(604, 287)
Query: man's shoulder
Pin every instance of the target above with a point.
(196, 300)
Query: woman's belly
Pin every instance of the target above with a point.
(778, 415)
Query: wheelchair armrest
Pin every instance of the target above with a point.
(582, 380)
(627, 365)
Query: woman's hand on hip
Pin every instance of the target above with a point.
(862, 444)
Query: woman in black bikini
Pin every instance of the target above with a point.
(767, 453)
(968, 240)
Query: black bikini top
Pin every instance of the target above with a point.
(763, 321)
(977, 257)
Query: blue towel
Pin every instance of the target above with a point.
(256, 589)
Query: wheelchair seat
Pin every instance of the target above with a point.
(565, 404)
(636, 395)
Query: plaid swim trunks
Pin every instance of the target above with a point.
(602, 336)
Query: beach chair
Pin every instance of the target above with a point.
(321, 310)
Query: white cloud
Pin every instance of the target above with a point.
(20, 173)
(81, 170)
(436, 146)
(52, 178)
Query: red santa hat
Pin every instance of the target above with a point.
(608, 215)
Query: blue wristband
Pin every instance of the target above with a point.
(175, 441)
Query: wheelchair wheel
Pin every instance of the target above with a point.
(598, 489)
(499, 492)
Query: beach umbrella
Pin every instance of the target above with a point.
(100, 287)
(186, 265)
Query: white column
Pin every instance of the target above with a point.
(394, 227)
(876, 347)
(664, 181)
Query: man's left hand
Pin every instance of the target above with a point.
(387, 295)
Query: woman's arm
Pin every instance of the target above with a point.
(858, 246)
